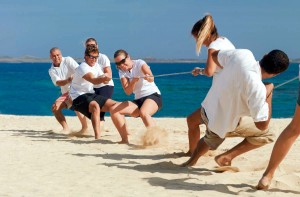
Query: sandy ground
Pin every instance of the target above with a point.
(38, 160)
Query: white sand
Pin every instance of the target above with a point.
(38, 162)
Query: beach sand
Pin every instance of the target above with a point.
(37, 160)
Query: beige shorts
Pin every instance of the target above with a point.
(65, 98)
(246, 128)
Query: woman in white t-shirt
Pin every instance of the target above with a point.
(205, 33)
(84, 99)
(105, 90)
(136, 77)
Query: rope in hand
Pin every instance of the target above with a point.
(162, 75)
(198, 70)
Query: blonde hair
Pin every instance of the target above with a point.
(204, 29)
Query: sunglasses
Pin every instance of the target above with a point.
(121, 61)
(91, 45)
(92, 57)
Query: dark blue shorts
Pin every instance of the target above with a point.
(155, 97)
(106, 91)
(82, 102)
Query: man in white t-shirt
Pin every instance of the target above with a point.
(61, 73)
(238, 104)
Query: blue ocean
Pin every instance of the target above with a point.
(26, 89)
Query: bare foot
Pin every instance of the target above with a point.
(81, 133)
(183, 154)
(123, 142)
(264, 183)
(188, 163)
(222, 160)
(65, 131)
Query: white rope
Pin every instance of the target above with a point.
(288, 81)
(162, 75)
(189, 72)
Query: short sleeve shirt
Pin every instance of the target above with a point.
(65, 70)
(142, 88)
(104, 62)
(238, 91)
(81, 86)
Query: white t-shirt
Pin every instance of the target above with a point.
(221, 43)
(142, 88)
(104, 62)
(65, 70)
(238, 91)
(81, 86)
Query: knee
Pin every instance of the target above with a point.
(293, 130)
(143, 114)
(190, 121)
(94, 107)
(55, 108)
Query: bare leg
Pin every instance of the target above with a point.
(193, 122)
(57, 108)
(281, 148)
(95, 110)
(226, 158)
(147, 110)
(83, 122)
(117, 113)
(200, 150)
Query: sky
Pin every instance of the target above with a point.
(145, 28)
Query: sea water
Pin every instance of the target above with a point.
(26, 89)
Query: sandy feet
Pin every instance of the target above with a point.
(264, 183)
(81, 133)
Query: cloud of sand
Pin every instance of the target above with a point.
(154, 136)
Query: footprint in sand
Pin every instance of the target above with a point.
(226, 169)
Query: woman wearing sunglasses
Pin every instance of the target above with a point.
(106, 90)
(84, 99)
(136, 78)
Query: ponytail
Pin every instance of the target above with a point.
(204, 32)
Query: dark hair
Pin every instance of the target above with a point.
(275, 62)
(119, 52)
(91, 49)
(91, 39)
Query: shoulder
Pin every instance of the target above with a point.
(221, 43)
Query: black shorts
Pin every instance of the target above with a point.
(82, 102)
(106, 91)
(155, 97)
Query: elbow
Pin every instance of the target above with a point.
(209, 74)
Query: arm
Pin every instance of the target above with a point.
(107, 71)
(211, 64)
(128, 85)
(264, 124)
(64, 81)
(147, 72)
(96, 80)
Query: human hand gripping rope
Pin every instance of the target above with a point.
(197, 70)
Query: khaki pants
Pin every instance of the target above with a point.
(246, 128)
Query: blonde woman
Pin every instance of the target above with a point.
(205, 33)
